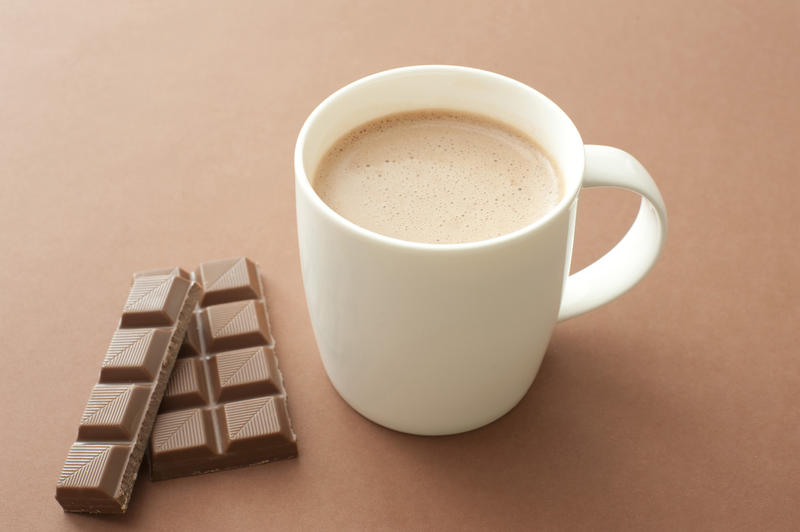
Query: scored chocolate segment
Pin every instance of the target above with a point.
(244, 417)
(184, 435)
(153, 301)
(134, 355)
(187, 385)
(191, 343)
(91, 474)
(228, 280)
(102, 465)
(234, 325)
(244, 373)
(259, 424)
(113, 412)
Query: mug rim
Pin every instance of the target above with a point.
(303, 181)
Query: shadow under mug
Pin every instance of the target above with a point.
(443, 338)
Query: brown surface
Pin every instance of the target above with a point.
(676, 406)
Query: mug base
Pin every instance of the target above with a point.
(428, 428)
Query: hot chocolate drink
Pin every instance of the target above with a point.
(438, 176)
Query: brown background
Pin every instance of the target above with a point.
(140, 135)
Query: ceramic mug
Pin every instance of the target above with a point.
(444, 338)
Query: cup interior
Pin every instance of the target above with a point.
(443, 87)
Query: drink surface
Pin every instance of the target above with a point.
(438, 176)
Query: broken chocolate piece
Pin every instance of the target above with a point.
(102, 465)
(225, 405)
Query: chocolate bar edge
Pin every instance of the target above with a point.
(290, 454)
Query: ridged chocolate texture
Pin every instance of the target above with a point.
(225, 404)
(102, 465)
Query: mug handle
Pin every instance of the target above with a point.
(617, 271)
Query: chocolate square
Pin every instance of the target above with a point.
(183, 434)
(187, 385)
(89, 479)
(235, 325)
(228, 280)
(154, 301)
(244, 373)
(113, 412)
(191, 342)
(255, 423)
(134, 355)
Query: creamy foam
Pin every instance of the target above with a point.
(438, 177)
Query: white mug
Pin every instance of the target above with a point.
(444, 338)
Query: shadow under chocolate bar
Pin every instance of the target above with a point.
(101, 466)
(225, 405)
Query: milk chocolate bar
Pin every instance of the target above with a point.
(225, 404)
(102, 465)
